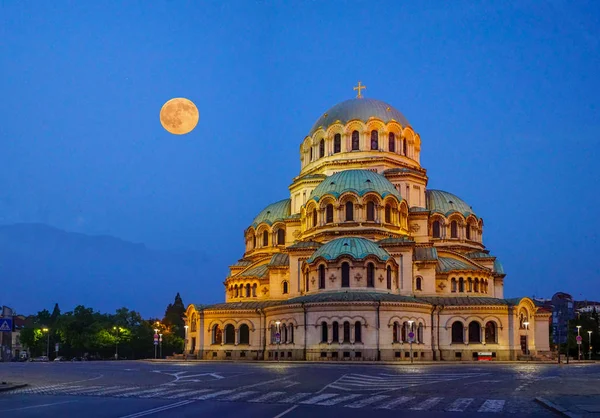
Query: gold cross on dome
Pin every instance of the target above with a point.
(359, 88)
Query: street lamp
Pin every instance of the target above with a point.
(590, 345)
(117, 329)
(186, 342)
(155, 342)
(578, 343)
(411, 336)
(526, 324)
(278, 338)
(47, 331)
(160, 341)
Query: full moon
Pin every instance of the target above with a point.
(179, 116)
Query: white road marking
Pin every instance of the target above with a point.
(492, 405)
(295, 398)
(460, 404)
(267, 396)
(136, 393)
(286, 411)
(214, 394)
(239, 395)
(483, 381)
(36, 406)
(425, 405)
(116, 390)
(155, 410)
(189, 392)
(367, 401)
(396, 402)
(318, 398)
(340, 399)
(83, 390)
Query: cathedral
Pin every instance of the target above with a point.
(363, 262)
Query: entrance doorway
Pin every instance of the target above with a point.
(193, 345)
(524, 344)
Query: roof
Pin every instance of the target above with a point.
(242, 262)
(305, 244)
(359, 109)
(258, 271)
(352, 296)
(426, 254)
(279, 260)
(400, 170)
(446, 203)
(446, 264)
(277, 211)
(395, 241)
(465, 301)
(358, 181)
(244, 305)
(357, 248)
(498, 268)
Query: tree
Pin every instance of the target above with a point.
(174, 316)
(55, 314)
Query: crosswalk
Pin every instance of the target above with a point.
(322, 398)
(384, 382)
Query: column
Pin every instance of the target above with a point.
(466, 335)
(237, 336)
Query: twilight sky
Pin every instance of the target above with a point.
(505, 98)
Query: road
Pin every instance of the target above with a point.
(131, 389)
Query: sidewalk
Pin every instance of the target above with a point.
(573, 406)
(364, 363)
(4, 386)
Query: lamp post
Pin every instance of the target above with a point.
(278, 338)
(47, 331)
(160, 342)
(411, 337)
(186, 342)
(155, 342)
(589, 345)
(578, 343)
(526, 323)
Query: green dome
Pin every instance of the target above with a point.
(358, 181)
(359, 109)
(447, 203)
(277, 211)
(357, 248)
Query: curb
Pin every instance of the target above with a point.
(556, 408)
(346, 363)
(6, 388)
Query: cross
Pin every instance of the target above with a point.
(359, 88)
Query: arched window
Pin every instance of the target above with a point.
(346, 332)
(349, 211)
(490, 333)
(418, 283)
(291, 328)
(436, 229)
(395, 331)
(324, 332)
(337, 143)
(453, 229)
(461, 284)
(355, 141)
(388, 214)
(420, 333)
(370, 275)
(229, 334)
(453, 285)
(457, 333)
(273, 334)
(392, 142)
(469, 285)
(474, 332)
(306, 282)
(235, 290)
(314, 217)
(345, 275)
(357, 332)
(265, 238)
(285, 288)
(321, 276)
(254, 286)
(217, 335)
(477, 285)
(405, 147)
(374, 140)
(311, 154)
(322, 148)
(253, 241)
(281, 236)
(284, 334)
(329, 213)
(388, 281)
(335, 331)
(244, 334)
(403, 331)
(247, 290)
(370, 211)
(468, 232)
(194, 322)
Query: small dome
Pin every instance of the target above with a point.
(358, 181)
(274, 212)
(447, 203)
(357, 248)
(359, 109)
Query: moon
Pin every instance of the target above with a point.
(179, 116)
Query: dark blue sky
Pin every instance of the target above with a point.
(505, 98)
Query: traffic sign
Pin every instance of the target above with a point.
(5, 324)
(277, 338)
(411, 336)
(579, 342)
(56, 347)
(579, 338)
(155, 342)
(155, 337)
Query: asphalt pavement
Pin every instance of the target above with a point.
(131, 389)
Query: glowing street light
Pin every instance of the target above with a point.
(278, 338)
(47, 331)
(578, 342)
(526, 324)
(589, 345)
(411, 337)
(155, 341)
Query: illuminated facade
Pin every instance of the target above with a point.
(362, 259)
